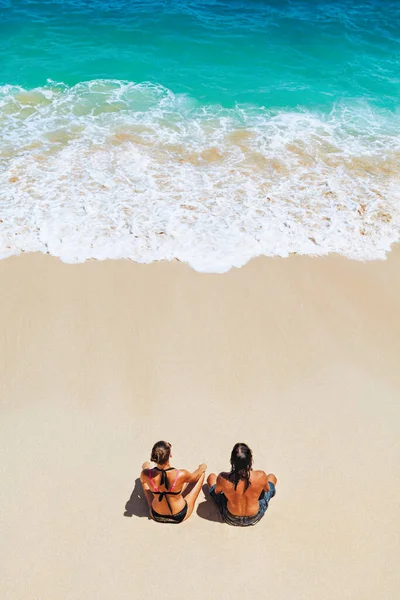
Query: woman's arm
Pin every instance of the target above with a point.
(193, 477)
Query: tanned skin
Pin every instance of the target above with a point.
(185, 478)
(242, 502)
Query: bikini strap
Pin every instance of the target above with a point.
(169, 469)
(152, 482)
(164, 479)
(175, 480)
(164, 482)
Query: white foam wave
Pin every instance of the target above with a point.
(110, 169)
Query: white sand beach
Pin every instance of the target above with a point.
(297, 357)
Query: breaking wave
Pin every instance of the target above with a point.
(114, 169)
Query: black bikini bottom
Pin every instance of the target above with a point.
(177, 518)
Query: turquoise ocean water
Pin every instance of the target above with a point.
(207, 131)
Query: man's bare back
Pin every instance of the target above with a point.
(244, 502)
(242, 495)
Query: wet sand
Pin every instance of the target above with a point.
(297, 357)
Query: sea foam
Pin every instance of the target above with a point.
(114, 169)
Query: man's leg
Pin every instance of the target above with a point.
(211, 479)
(219, 499)
(266, 496)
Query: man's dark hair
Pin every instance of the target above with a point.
(241, 461)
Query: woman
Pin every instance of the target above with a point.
(242, 495)
(164, 485)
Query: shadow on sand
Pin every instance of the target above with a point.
(137, 504)
(207, 509)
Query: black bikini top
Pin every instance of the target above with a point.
(164, 481)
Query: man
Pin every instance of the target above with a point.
(242, 495)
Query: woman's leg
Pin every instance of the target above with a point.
(146, 490)
(191, 497)
(211, 479)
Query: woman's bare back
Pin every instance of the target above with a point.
(177, 480)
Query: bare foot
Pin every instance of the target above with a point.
(146, 465)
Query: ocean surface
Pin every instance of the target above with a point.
(206, 131)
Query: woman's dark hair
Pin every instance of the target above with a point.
(241, 461)
(160, 452)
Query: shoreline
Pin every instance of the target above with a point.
(298, 357)
(394, 247)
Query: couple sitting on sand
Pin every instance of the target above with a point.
(242, 495)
